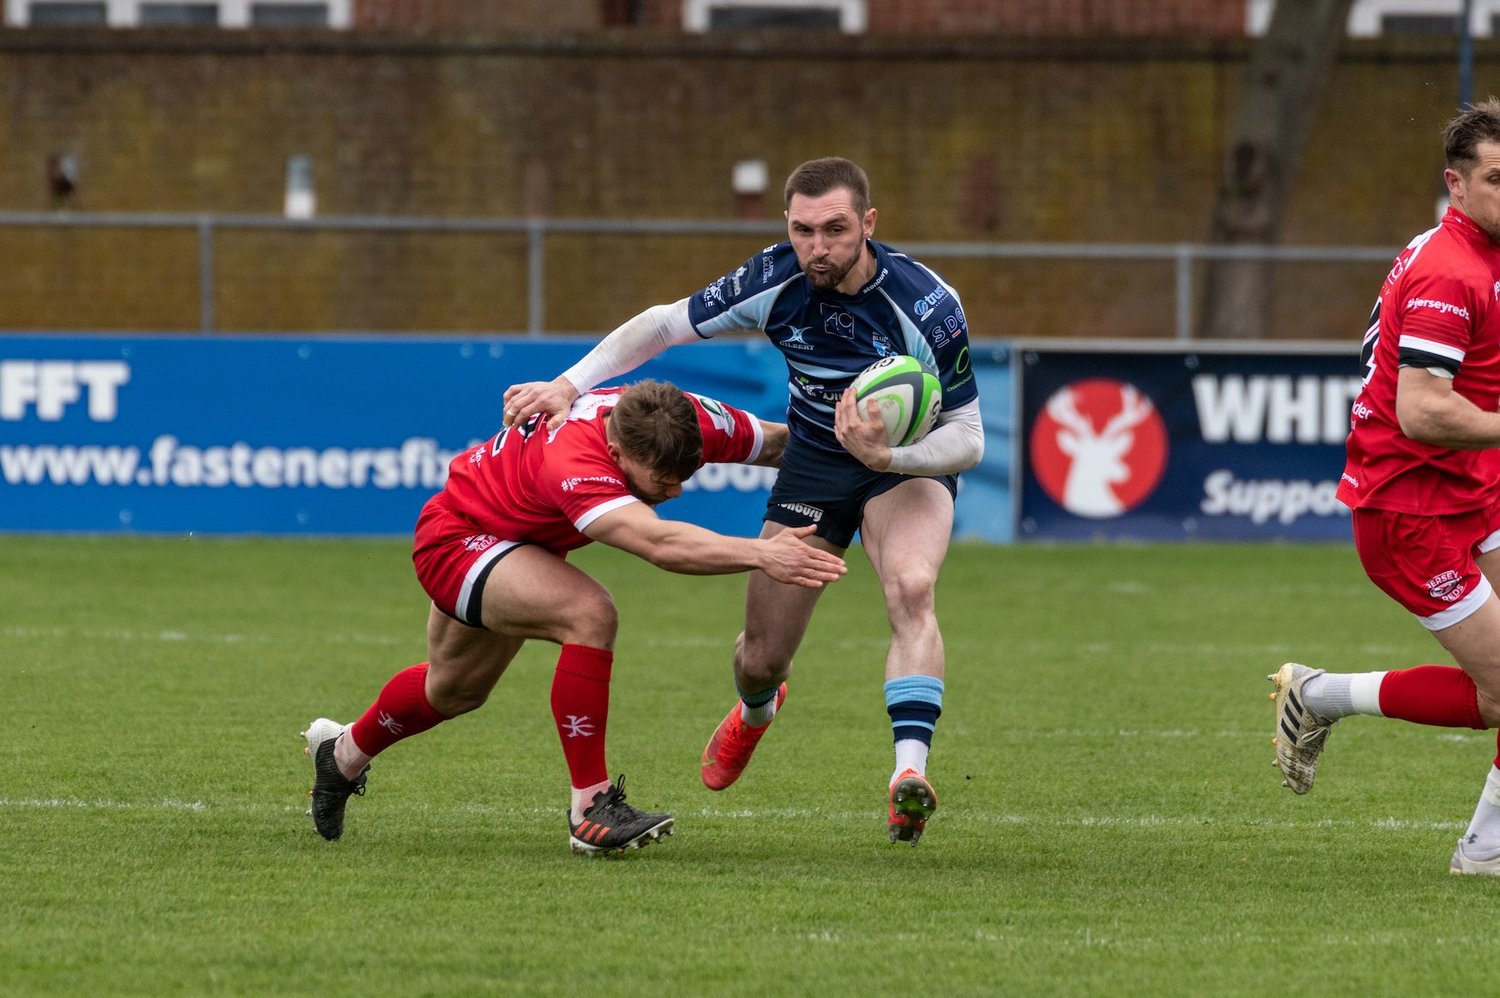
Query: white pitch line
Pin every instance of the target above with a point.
(968, 816)
(175, 637)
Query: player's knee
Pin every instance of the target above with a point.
(452, 692)
(1488, 695)
(593, 620)
(757, 663)
(910, 592)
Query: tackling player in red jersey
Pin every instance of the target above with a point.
(1423, 481)
(490, 550)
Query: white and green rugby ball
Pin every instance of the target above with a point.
(908, 393)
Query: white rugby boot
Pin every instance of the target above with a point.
(1300, 733)
(1461, 864)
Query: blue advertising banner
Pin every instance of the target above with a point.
(328, 435)
(1173, 445)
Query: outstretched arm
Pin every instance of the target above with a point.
(629, 346)
(691, 550)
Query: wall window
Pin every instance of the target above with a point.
(848, 16)
(178, 15)
(69, 14)
(200, 13)
(289, 15)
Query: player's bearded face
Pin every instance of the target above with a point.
(645, 484)
(829, 273)
(828, 235)
(1477, 192)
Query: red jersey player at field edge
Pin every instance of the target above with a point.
(490, 550)
(1423, 481)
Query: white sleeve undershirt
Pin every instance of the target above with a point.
(955, 444)
(633, 343)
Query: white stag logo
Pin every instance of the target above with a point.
(1098, 456)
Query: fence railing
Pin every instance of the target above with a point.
(1183, 257)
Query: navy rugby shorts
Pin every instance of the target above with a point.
(830, 489)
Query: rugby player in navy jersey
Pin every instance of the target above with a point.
(833, 301)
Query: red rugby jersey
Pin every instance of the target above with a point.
(1437, 309)
(545, 488)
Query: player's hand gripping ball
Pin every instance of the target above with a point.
(908, 393)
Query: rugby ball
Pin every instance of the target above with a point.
(908, 394)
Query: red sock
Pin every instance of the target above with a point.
(1441, 695)
(580, 706)
(399, 712)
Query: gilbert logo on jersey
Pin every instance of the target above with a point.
(1098, 448)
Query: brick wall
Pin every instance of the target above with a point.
(965, 140)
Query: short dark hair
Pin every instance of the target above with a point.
(655, 423)
(817, 177)
(1478, 123)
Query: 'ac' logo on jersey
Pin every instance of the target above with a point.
(837, 322)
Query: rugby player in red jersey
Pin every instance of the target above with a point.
(491, 550)
(1423, 481)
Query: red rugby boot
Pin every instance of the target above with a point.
(728, 751)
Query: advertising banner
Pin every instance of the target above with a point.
(315, 436)
(1137, 444)
(328, 435)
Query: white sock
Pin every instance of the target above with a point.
(583, 798)
(758, 717)
(911, 753)
(1338, 694)
(1482, 840)
(348, 756)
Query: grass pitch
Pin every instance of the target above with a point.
(1109, 823)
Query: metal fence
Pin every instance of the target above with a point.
(1183, 258)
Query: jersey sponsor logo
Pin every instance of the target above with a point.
(569, 484)
(838, 323)
(796, 341)
(923, 306)
(715, 293)
(813, 513)
(1446, 586)
(736, 280)
(1275, 408)
(1447, 308)
(767, 266)
(815, 391)
(717, 414)
(1098, 448)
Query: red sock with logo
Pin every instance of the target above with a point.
(1441, 695)
(580, 706)
(399, 712)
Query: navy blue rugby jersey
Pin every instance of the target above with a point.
(828, 337)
